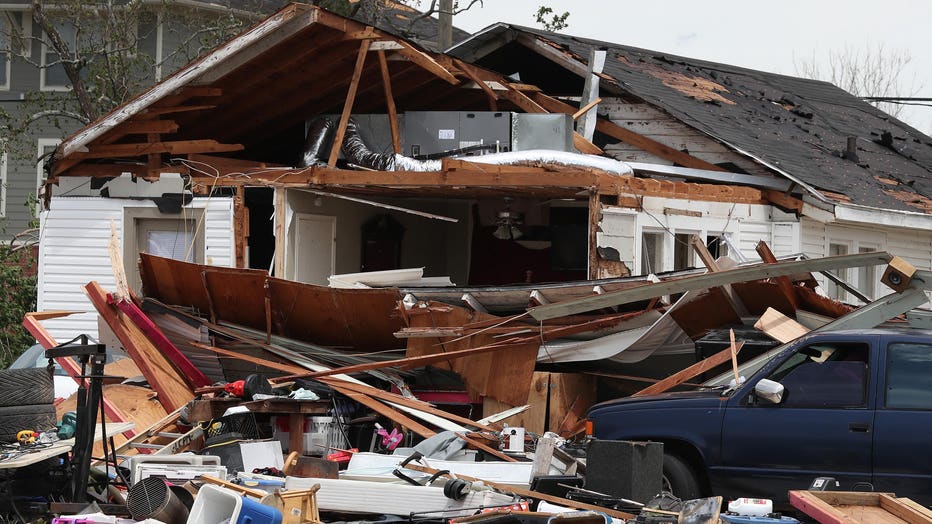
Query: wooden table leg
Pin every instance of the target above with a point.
(296, 432)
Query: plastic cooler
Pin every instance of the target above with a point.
(215, 504)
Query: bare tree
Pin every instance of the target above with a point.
(871, 71)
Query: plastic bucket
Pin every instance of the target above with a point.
(215, 504)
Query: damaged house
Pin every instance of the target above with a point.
(312, 145)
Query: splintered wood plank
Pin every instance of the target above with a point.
(571, 395)
(533, 418)
(173, 390)
(392, 414)
(696, 369)
(179, 147)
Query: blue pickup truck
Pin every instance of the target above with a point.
(854, 405)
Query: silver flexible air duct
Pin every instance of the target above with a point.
(356, 152)
(318, 138)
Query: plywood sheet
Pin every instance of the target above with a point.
(534, 418)
(237, 296)
(364, 319)
(759, 295)
(711, 310)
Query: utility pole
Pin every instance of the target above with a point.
(445, 25)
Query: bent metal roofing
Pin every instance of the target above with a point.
(796, 126)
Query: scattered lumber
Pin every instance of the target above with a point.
(849, 507)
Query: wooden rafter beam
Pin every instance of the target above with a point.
(180, 147)
(142, 127)
(166, 110)
(389, 101)
(470, 71)
(630, 137)
(348, 105)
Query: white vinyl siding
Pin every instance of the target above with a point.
(74, 251)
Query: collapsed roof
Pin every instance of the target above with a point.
(794, 126)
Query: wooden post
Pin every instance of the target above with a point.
(348, 105)
(240, 226)
(595, 215)
(389, 101)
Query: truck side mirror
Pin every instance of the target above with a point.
(769, 391)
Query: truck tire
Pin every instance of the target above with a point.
(13, 419)
(19, 387)
(679, 478)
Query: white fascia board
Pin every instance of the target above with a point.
(883, 217)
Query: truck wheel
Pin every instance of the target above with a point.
(679, 478)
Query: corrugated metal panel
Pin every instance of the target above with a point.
(75, 237)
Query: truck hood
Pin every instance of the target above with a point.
(679, 399)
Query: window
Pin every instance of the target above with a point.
(651, 252)
(825, 375)
(180, 237)
(717, 246)
(683, 252)
(867, 275)
(3, 185)
(833, 290)
(909, 367)
(52, 75)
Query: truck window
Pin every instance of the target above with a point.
(825, 375)
(909, 367)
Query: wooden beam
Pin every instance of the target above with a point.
(786, 287)
(348, 105)
(783, 200)
(682, 376)
(709, 280)
(427, 62)
(470, 71)
(240, 227)
(389, 102)
(485, 447)
(392, 414)
(140, 127)
(585, 109)
(280, 205)
(167, 110)
(181, 147)
(712, 266)
(630, 137)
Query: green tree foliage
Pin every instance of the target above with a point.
(19, 290)
(549, 20)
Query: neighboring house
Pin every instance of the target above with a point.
(206, 167)
(858, 179)
(165, 33)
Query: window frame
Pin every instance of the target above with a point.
(44, 67)
(886, 382)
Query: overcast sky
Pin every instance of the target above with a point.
(767, 36)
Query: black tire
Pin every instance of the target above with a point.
(680, 478)
(37, 417)
(21, 387)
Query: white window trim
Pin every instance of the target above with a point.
(3, 188)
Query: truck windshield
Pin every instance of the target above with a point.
(745, 370)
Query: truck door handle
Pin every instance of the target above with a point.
(859, 427)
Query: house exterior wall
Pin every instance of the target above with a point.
(74, 250)
(623, 229)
